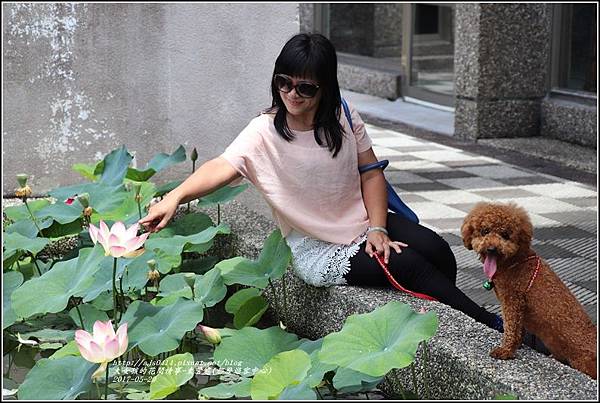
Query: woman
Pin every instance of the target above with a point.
(303, 158)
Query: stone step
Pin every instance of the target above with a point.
(368, 75)
(432, 63)
(432, 48)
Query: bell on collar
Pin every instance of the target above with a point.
(488, 285)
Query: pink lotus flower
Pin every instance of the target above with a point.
(103, 346)
(69, 201)
(118, 241)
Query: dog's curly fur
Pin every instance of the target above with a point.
(548, 309)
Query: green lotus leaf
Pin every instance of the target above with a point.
(250, 312)
(272, 263)
(115, 166)
(189, 224)
(157, 164)
(285, 370)
(20, 212)
(104, 301)
(349, 381)
(102, 280)
(298, 392)
(317, 369)
(128, 211)
(61, 212)
(68, 349)
(10, 281)
(168, 250)
(379, 341)
(176, 371)
(27, 227)
(157, 329)
(177, 285)
(209, 289)
(265, 343)
(199, 266)
(239, 298)
(59, 379)
(221, 195)
(86, 170)
(16, 245)
(239, 389)
(51, 291)
(103, 198)
(89, 313)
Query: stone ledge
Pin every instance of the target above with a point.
(458, 367)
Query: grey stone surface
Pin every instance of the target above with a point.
(458, 365)
(369, 80)
(500, 68)
(498, 118)
(81, 79)
(569, 121)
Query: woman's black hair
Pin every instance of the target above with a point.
(311, 56)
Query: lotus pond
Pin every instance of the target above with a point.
(93, 308)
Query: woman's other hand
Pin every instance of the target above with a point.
(380, 243)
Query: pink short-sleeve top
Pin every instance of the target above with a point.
(308, 190)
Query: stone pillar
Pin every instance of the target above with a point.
(501, 65)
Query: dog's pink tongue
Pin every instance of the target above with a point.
(489, 266)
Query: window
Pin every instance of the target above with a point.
(575, 47)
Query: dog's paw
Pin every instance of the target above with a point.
(502, 353)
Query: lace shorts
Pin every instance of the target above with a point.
(321, 263)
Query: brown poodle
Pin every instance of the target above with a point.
(532, 296)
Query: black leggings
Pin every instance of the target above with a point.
(426, 266)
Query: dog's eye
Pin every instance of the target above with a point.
(505, 235)
(484, 231)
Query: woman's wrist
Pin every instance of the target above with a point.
(377, 228)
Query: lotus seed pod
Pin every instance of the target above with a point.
(153, 275)
(84, 199)
(22, 179)
(88, 211)
(151, 264)
(194, 154)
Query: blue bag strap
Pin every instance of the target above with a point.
(347, 113)
(379, 164)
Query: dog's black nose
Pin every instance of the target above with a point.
(491, 250)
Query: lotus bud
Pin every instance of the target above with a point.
(194, 154)
(212, 335)
(84, 199)
(22, 179)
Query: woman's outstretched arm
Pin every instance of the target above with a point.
(209, 177)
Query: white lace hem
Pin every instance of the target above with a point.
(321, 263)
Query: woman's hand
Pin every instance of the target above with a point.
(378, 242)
(160, 214)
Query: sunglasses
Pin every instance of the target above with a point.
(305, 89)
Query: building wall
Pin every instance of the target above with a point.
(82, 79)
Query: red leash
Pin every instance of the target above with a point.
(396, 284)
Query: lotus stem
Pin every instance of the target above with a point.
(122, 297)
(318, 393)
(33, 218)
(34, 260)
(79, 314)
(139, 209)
(114, 287)
(106, 384)
(218, 214)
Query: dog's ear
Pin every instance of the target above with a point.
(525, 234)
(466, 231)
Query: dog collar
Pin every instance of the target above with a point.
(489, 284)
